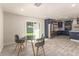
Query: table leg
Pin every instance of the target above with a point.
(33, 48)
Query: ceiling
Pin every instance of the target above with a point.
(45, 10)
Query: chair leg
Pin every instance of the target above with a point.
(33, 48)
(37, 51)
(23, 45)
(16, 47)
(43, 50)
(19, 50)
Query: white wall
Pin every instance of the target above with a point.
(16, 24)
(1, 29)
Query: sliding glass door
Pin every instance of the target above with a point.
(32, 30)
(29, 30)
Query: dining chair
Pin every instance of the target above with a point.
(40, 44)
(20, 44)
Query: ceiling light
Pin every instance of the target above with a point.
(22, 9)
(73, 5)
(37, 4)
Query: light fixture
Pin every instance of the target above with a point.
(73, 5)
(22, 9)
(37, 4)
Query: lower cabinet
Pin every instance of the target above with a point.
(74, 35)
(63, 33)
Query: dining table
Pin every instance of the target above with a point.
(32, 41)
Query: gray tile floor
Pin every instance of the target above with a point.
(58, 46)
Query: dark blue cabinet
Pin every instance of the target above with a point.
(74, 35)
(63, 32)
(47, 21)
(46, 28)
